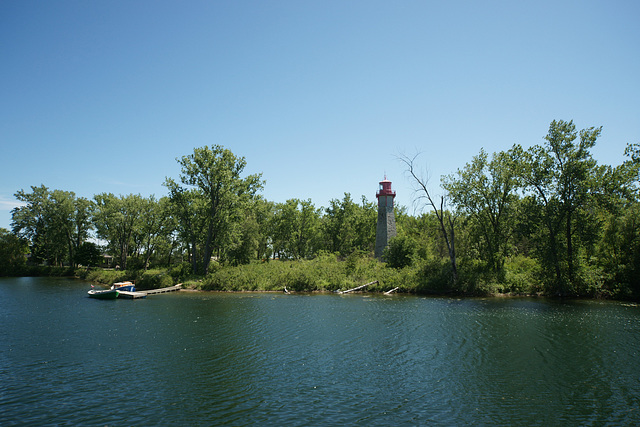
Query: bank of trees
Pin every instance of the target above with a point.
(545, 218)
(554, 204)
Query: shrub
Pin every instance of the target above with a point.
(521, 275)
(434, 276)
(400, 252)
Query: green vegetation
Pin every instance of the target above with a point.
(543, 220)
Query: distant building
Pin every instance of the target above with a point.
(386, 228)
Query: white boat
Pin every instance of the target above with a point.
(124, 286)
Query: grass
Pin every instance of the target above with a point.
(328, 273)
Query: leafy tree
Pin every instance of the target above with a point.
(295, 228)
(244, 240)
(263, 210)
(618, 251)
(347, 226)
(156, 227)
(89, 254)
(13, 252)
(61, 218)
(83, 222)
(485, 191)
(118, 220)
(558, 177)
(31, 222)
(215, 174)
(283, 229)
(188, 208)
(55, 222)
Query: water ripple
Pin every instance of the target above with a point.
(246, 359)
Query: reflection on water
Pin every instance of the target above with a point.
(245, 359)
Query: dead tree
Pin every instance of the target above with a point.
(445, 218)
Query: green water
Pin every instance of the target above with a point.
(271, 359)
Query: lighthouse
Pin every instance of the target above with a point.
(386, 228)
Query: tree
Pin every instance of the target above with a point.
(30, 222)
(558, 176)
(117, 220)
(347, 226)
(187, 207)
(156, 227)
(618, 250)
(61, 213)
(283, 226)
(55, 222)
(446, 219)
(295, 227)
(263, 211)
(13, 252)
(485, 191)
(244, 239)
(215, 173)
(89, 254)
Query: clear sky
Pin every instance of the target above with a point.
(319, 96)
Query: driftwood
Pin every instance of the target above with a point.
(358, 288)
(392, 290)
(286, 291)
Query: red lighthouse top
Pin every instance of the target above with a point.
(385, 189)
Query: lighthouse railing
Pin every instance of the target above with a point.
(385, 193)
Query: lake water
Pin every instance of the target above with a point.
(270, 359)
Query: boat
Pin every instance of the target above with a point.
(106, 294)
(124, 286)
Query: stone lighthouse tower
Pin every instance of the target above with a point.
(386, 228)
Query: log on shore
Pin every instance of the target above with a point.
(358, 288)
(392, 290)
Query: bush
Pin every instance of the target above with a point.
(152, 279)
(522, 275)
(434, 276)
(400, 252)
(298, 279)
(181, 272)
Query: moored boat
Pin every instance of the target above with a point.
(106, 294)
(124, 286)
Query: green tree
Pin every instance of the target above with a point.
(347, 226)
(89, 254)
(618, 250)
(283, 229)
(30, 221)
(485, 191)
(244, 240)
(188, 207)
(13, 252)
(295, 228)
(118, 220)
(263, 211)
(558, 177)
(216, 174)
(55, 222)
(62, 217)
(156, 227)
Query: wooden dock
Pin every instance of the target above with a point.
(162, 290)
(131, 295)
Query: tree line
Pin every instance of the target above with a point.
(548, 218)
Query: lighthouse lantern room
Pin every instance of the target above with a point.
(385, 194)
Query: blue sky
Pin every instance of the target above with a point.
(319, 96)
